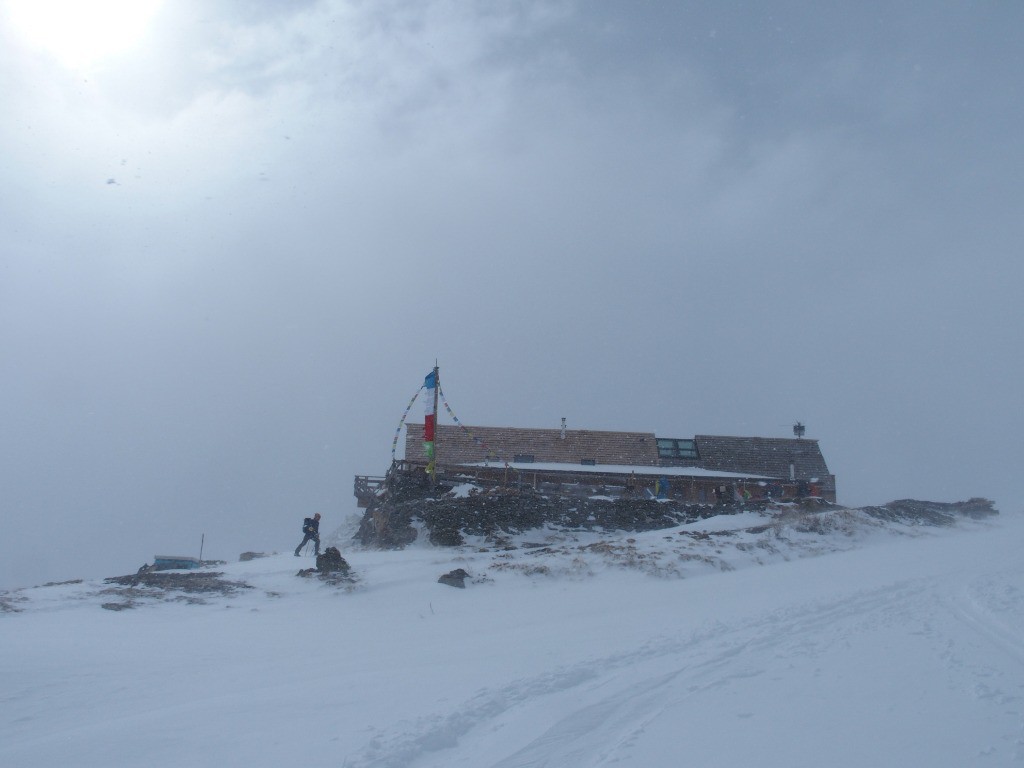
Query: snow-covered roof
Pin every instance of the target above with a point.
(618, 469)
(708, 456)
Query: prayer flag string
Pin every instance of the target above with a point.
(463, 427)
(394, 443)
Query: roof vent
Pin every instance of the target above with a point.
(563, 428)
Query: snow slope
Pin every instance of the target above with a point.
(725, 643)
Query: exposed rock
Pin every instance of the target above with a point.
(8, 600)
(151, 583)
(456, 578)
(913, 512)
(332, 568)
(389, 524)
(331, 561)
(118, 606)
(247, 556)
(391, 521)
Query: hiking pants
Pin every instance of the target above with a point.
(306, 539)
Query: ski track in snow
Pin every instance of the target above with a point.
(595, 733)
(979, 606)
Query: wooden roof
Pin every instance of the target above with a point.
(770, 456)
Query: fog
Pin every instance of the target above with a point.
(231, 248)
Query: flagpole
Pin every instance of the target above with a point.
(433, 463)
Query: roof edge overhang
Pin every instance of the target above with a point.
(619, 469)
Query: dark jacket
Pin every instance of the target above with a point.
(311, 526)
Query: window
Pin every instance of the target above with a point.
(588, 462)
(523, 458)
(670, 448)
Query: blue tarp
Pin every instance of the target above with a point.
(171, 562)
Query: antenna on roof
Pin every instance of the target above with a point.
(799, 429)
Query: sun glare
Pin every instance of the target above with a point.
(79, 33)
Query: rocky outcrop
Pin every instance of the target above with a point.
(330, 561)
(915, 512)
(332, 568)
(447, 520)
(167, 585)
(411, 504)
(456, 578)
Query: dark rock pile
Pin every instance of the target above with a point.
(331, 561)
(456, 578)
(411, 503)
(330, 567)
(166, 585)
(8, 600)
(912, 512)
(390, 524)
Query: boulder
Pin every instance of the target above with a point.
(331, 561)
(456, 578)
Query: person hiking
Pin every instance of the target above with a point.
(311, 531)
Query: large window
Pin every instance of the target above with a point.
(670, 448)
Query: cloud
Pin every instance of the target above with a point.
(682, 218)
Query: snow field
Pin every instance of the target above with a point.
(889, 650)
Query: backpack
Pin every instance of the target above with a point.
(307, 525)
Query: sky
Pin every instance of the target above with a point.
(234, 237)
(858, 644)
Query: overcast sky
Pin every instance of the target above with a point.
(231, 249)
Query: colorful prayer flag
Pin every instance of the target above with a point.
(430, 414)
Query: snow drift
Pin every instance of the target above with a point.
(840, 638)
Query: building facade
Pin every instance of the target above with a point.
(698, 469)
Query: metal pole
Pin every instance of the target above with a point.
(202, 541)
(437, 431)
